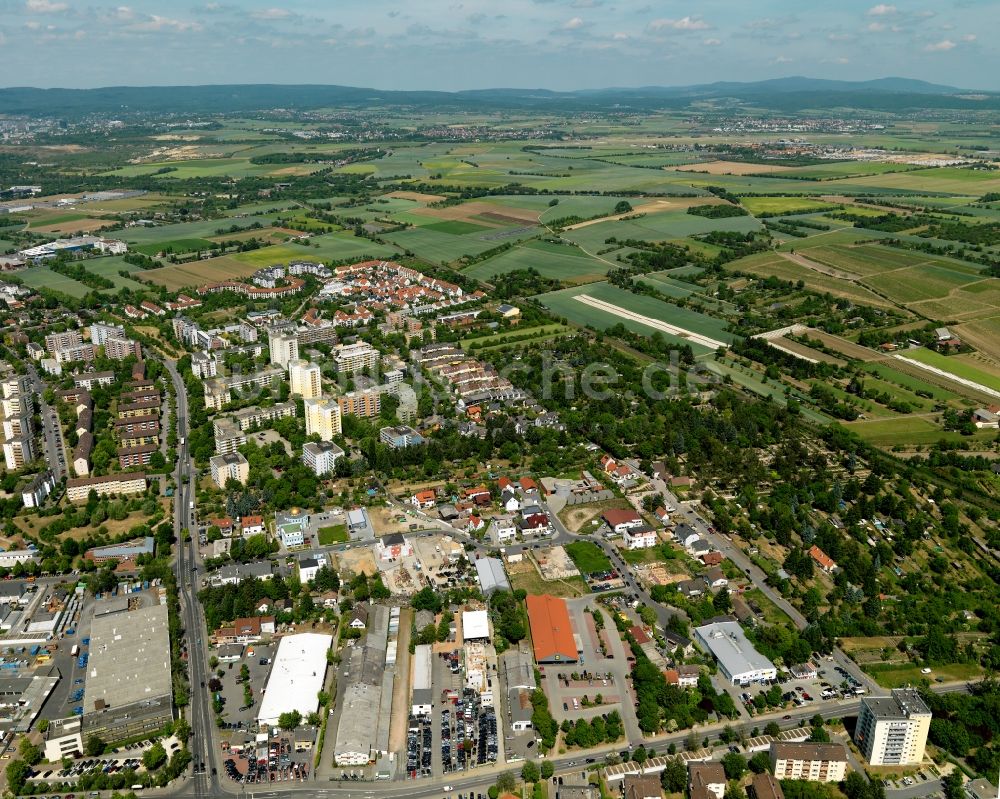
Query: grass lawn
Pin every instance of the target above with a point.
(651, 555)
(909, 674)
(588, 557)
(525, 576)
(772, 613)
(334, 534)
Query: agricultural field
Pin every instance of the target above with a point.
(956, 365)
(519, 334)
(110, 266)
(175, 246)
(764, 206)
(557, 261)
(42, 277)
(202, 229)
(656, 227)
(603, 306)
(442, 247)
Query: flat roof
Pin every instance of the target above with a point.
(491, 575)
(129, 658)
(296, 677)
(901, 704)
(551, 630)
(730, 646)
(475, 624)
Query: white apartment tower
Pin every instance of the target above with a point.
(892, 730)
(284, 347)
(305, 379)
(323, 417)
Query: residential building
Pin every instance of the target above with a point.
(353, 358)
(228, 436)
(641, 786)
(621, 520)
(821, 559)
(90, 379)
(706, 780)
(118, 349)
(393, 547)
(81, 352)
(892, 730)
(816, 762)
(400, 436)
(309, 567)
(232, 466)
(37, 489)
(204, 365)
(257, 416)
(251, 525)
(642, 537)
(305, 379)
(321, 456)
(18, 452)
(365, 403)
(62, 341)
(322, 417)
(284, 347)
(764, 786)
(79, 488)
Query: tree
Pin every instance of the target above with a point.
(772, 729)
(548, 770)
(760, 763)
(506, 783)
(639, 754)
(30, 753)
(529, 771)
(734, 764)
(953, 785)
(95, 746)
(623, 207)
(154, 757)
(674, 776)
(17, 775)
(290, 720)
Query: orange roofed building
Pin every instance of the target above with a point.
(824, 561)
(551, 630)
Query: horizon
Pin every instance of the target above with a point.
(463, 46)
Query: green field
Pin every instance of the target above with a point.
(176, 246)
(332, 246)
(456, 228)
(335, 534)
(42, 277)
(110, 266)
(588, 557)
(447, 247)
(563, 303)
(783, 205)
(556, 261)
(891, 676)
(954, 366)
(656, 227)
(530, 334)
(201, 229)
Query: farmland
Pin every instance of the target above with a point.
(557, 261)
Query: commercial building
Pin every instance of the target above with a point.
(475, 625)
(128, 690)
(322, 417)
(79, 488)
(321, 456)
(232, 466)
(892, 730)
(353, 358)
(422, 700)
(738, 660)
(400, 436)
(816, 762)
(551, 630)
(305, 379)
(297, 676)
(283, 347)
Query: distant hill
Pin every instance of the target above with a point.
(786, 94)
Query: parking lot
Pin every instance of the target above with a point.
(240, 718)
(280, 758)
(830, 684)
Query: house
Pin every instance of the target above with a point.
(984, 417)
(700, 547)
(225, 525)
(621, 520)
(641, 786)
(536, 524)
(675, 641)
(643, 537)
(308, 568)
(510, 501)
(662, 515)
(504, 530)
(528, 486)
(359, 617)
(686, 535)
(716, 578)
(252, 525)
(687, 676)
(393, 547)
(691, 588)
(424, 499)
(706, 780)
(712, 558)
(824, 561)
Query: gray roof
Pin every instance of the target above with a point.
(730, 646)
(491, 575)
(129, 659)
(902, 704)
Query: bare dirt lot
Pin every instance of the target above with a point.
(731, 168)
(79, 226)
(576, 517)
(503, 214)
(848, 348)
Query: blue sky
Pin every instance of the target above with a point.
(466, 44)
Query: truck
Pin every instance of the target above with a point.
(75, 650)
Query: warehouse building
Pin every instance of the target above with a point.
(892, 730)
(422, 695)
(128, 691)
(738, 660)
(491, 576)
(297, 676)
(551, 630)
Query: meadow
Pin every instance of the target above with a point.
(557, 261)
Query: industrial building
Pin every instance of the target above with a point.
(297, 676)
(551, 630)
(423, 698)
(738, 660)
(129, 688)
(475, 625)
(892, 730)
(816, 762)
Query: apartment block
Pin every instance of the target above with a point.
(229, 467)
(816, 762)
(305, 379)
(892, 730)
(323, 417)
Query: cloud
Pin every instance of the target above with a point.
(839, 37)
(621, 36)
(44, 7)
(940, 47)
(682, 24)
(272, 13)
(157, 23)
(573, 24)
(782, 60)
(876, 27)
(882, 10)
(969, 37)
(712, 42)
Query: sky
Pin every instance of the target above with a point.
(469, 44)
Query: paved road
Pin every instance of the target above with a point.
(53, 445)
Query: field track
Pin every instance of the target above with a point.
(656, 324)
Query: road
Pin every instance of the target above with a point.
(52, 441)
(203, 745)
